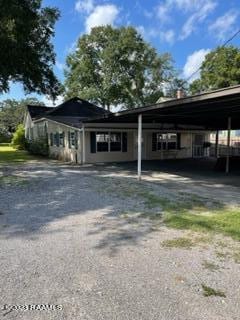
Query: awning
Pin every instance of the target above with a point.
(210, 110)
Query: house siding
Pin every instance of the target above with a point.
(64, 153)
(110, 156)
(184, 152)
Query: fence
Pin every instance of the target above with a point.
(223, 151)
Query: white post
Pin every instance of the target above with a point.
(228, 144)
(83, 145)
(139, 146)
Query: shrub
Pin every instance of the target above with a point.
(18, 139)
(38, 146)
(5, 137)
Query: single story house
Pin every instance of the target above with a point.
(74, 135)
(82, 132)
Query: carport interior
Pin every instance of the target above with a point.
(212, 111)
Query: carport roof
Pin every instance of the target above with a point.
(209, 110)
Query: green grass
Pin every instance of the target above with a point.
(208, 291)
(184, 242)
(181, 242)
(180, 210)
(210, 266)
(236, 256)
(224, 221)
(9, 155)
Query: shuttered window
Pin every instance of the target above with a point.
(165, 141)
(102, 139)
(108, 141)
(61, 139)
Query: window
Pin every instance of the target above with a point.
(108, 142)
(61, 139)
(116, 141)
(56, 139)
(102, 139)
(164, 141)
(72, 139)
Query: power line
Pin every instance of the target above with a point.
(223, 45)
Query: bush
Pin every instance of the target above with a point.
(5, 137)
(38, 146)
(18, 139)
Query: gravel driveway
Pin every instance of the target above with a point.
(63, 241)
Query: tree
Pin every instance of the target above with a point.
(18, 139)
(220, 69)
(12, 113)
(26, 53)
(115, 66)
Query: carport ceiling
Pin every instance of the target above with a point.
(209, 110)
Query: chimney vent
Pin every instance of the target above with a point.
(180, 94)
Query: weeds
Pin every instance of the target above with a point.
(208, 291)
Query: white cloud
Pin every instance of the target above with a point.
(224, 25)
(50, 103)
(101, 16)
(196, 18)
(84, 6)
(163, 12)
(141, 30)
(198, 10)
(194, 61)
(168, 36)
(60, 65)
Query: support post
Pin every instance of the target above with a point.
(139, 146)
(83, 145)
(217, 144)
(228, 144)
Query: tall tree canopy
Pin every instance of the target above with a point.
(115, 66)
(12, 113)
(27, 53)
(221, 68)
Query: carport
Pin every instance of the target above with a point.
(211, 111)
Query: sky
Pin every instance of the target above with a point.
(187, 29)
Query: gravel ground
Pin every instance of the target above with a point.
(63, 241)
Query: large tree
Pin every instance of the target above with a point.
(26, 53)
(115, 66)
(12, 113)
(221, 68)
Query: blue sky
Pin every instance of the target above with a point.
(187, 29)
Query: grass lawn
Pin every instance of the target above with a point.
(183, 211)
(225, 221)
(9, 155)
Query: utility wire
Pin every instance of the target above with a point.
(223, 45)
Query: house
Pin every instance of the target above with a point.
(31, 115)
(74, 135)
(82, 132)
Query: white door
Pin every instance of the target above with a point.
(198, 140)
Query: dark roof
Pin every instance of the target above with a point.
(73, 111)
(209, 110)
(35, 111)
(77, 107)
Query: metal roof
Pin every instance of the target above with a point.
(210, 110)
